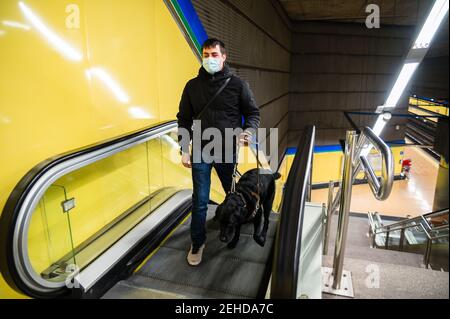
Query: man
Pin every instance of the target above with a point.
(234, 107)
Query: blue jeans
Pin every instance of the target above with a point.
(201, 179)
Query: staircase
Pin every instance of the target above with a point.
(384, 273)
(426, 235)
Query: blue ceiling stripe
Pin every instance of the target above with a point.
(337, 148)
(193, 20)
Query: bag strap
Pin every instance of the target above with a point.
(213, 98)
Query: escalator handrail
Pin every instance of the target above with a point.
(16, 215)
(287, 250)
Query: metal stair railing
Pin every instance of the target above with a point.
(422, 222)
(354, 162)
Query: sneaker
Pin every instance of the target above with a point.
(195, 257)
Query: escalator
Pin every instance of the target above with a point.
(64, 237)
(223, 273)
(422, 126)
(68, 211)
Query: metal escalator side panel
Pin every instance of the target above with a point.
(124, 256)
(289, 233)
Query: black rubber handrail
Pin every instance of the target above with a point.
(287, 249)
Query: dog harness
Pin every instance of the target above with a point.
(233, 183)
(253, 214)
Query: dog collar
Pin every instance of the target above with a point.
(253, 214)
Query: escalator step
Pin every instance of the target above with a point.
(216, 274)
(123, 290)
(223, 273)
(246, 249)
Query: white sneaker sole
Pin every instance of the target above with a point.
(195, 263)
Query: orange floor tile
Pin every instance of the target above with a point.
(409, 197)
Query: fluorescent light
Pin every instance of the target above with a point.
(379, 124)
(434, 19)
(429, 29)
(109, 82)
(5, 119)
(106, 127)
(14, 24)
(138, 112)
(401, 83)
(377, 129)
(62, 46)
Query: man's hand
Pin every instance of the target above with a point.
(186, 160)
(244, 138)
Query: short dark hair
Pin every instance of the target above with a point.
(212, 43)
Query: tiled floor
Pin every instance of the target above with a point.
(409, 197)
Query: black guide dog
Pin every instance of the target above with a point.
(240, 207)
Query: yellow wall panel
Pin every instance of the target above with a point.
(105, 189)
(176, 62)
(64, 86)
(430, 106)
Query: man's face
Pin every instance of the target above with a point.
(214, 52)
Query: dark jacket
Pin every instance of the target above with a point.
(235, 102)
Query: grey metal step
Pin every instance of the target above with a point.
(123, 290)
(358, 245)
(216, 275)
(223, 273)
(378, 280)
(358, 228)
(381, 255)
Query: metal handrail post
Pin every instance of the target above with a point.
(356, 170)
(329, 214)
(386, 241)
(362, 140)
(402, 239)
(382, 191)
(426, 259)
(344, 208)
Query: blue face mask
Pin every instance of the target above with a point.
(211, 65)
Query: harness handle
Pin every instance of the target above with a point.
(234, 176)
